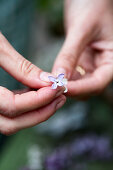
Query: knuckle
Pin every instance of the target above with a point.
(7, 107)
(25, 67)
(8, 112)
(8, 129)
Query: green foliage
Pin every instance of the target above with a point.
(14, 155)
(53, 11)
(100, 116)
(100, 166)
(46, 5)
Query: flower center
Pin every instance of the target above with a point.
(57, 81)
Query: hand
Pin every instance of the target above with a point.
(89, 44)
(28, 109)
(18, 111)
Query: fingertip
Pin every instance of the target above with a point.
(44, 76)
(59, 70)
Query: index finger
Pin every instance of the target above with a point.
(12, 105)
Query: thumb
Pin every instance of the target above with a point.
(20, 68)
(75, 43)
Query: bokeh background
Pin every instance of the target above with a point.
(80, 135)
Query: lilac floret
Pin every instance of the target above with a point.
(59, 81)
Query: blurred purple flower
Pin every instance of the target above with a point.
(59, 160)
(102, 149)
(59, 81)
(89, 147)
(96, 148)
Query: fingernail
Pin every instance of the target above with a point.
(62, 70)
(44, 76)
(60, 103)
(61, 91)
(59, 71)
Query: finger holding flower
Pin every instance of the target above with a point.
(31, 107)
(87, 47)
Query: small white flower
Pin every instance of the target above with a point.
(59, 81)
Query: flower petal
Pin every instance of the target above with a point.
(64, 81)
(52, 79)
(60, 76)
(65, 91)
(54, 86)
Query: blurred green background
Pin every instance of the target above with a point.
(80, 135)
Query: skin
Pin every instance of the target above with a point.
(27, 108)
(89, 44)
